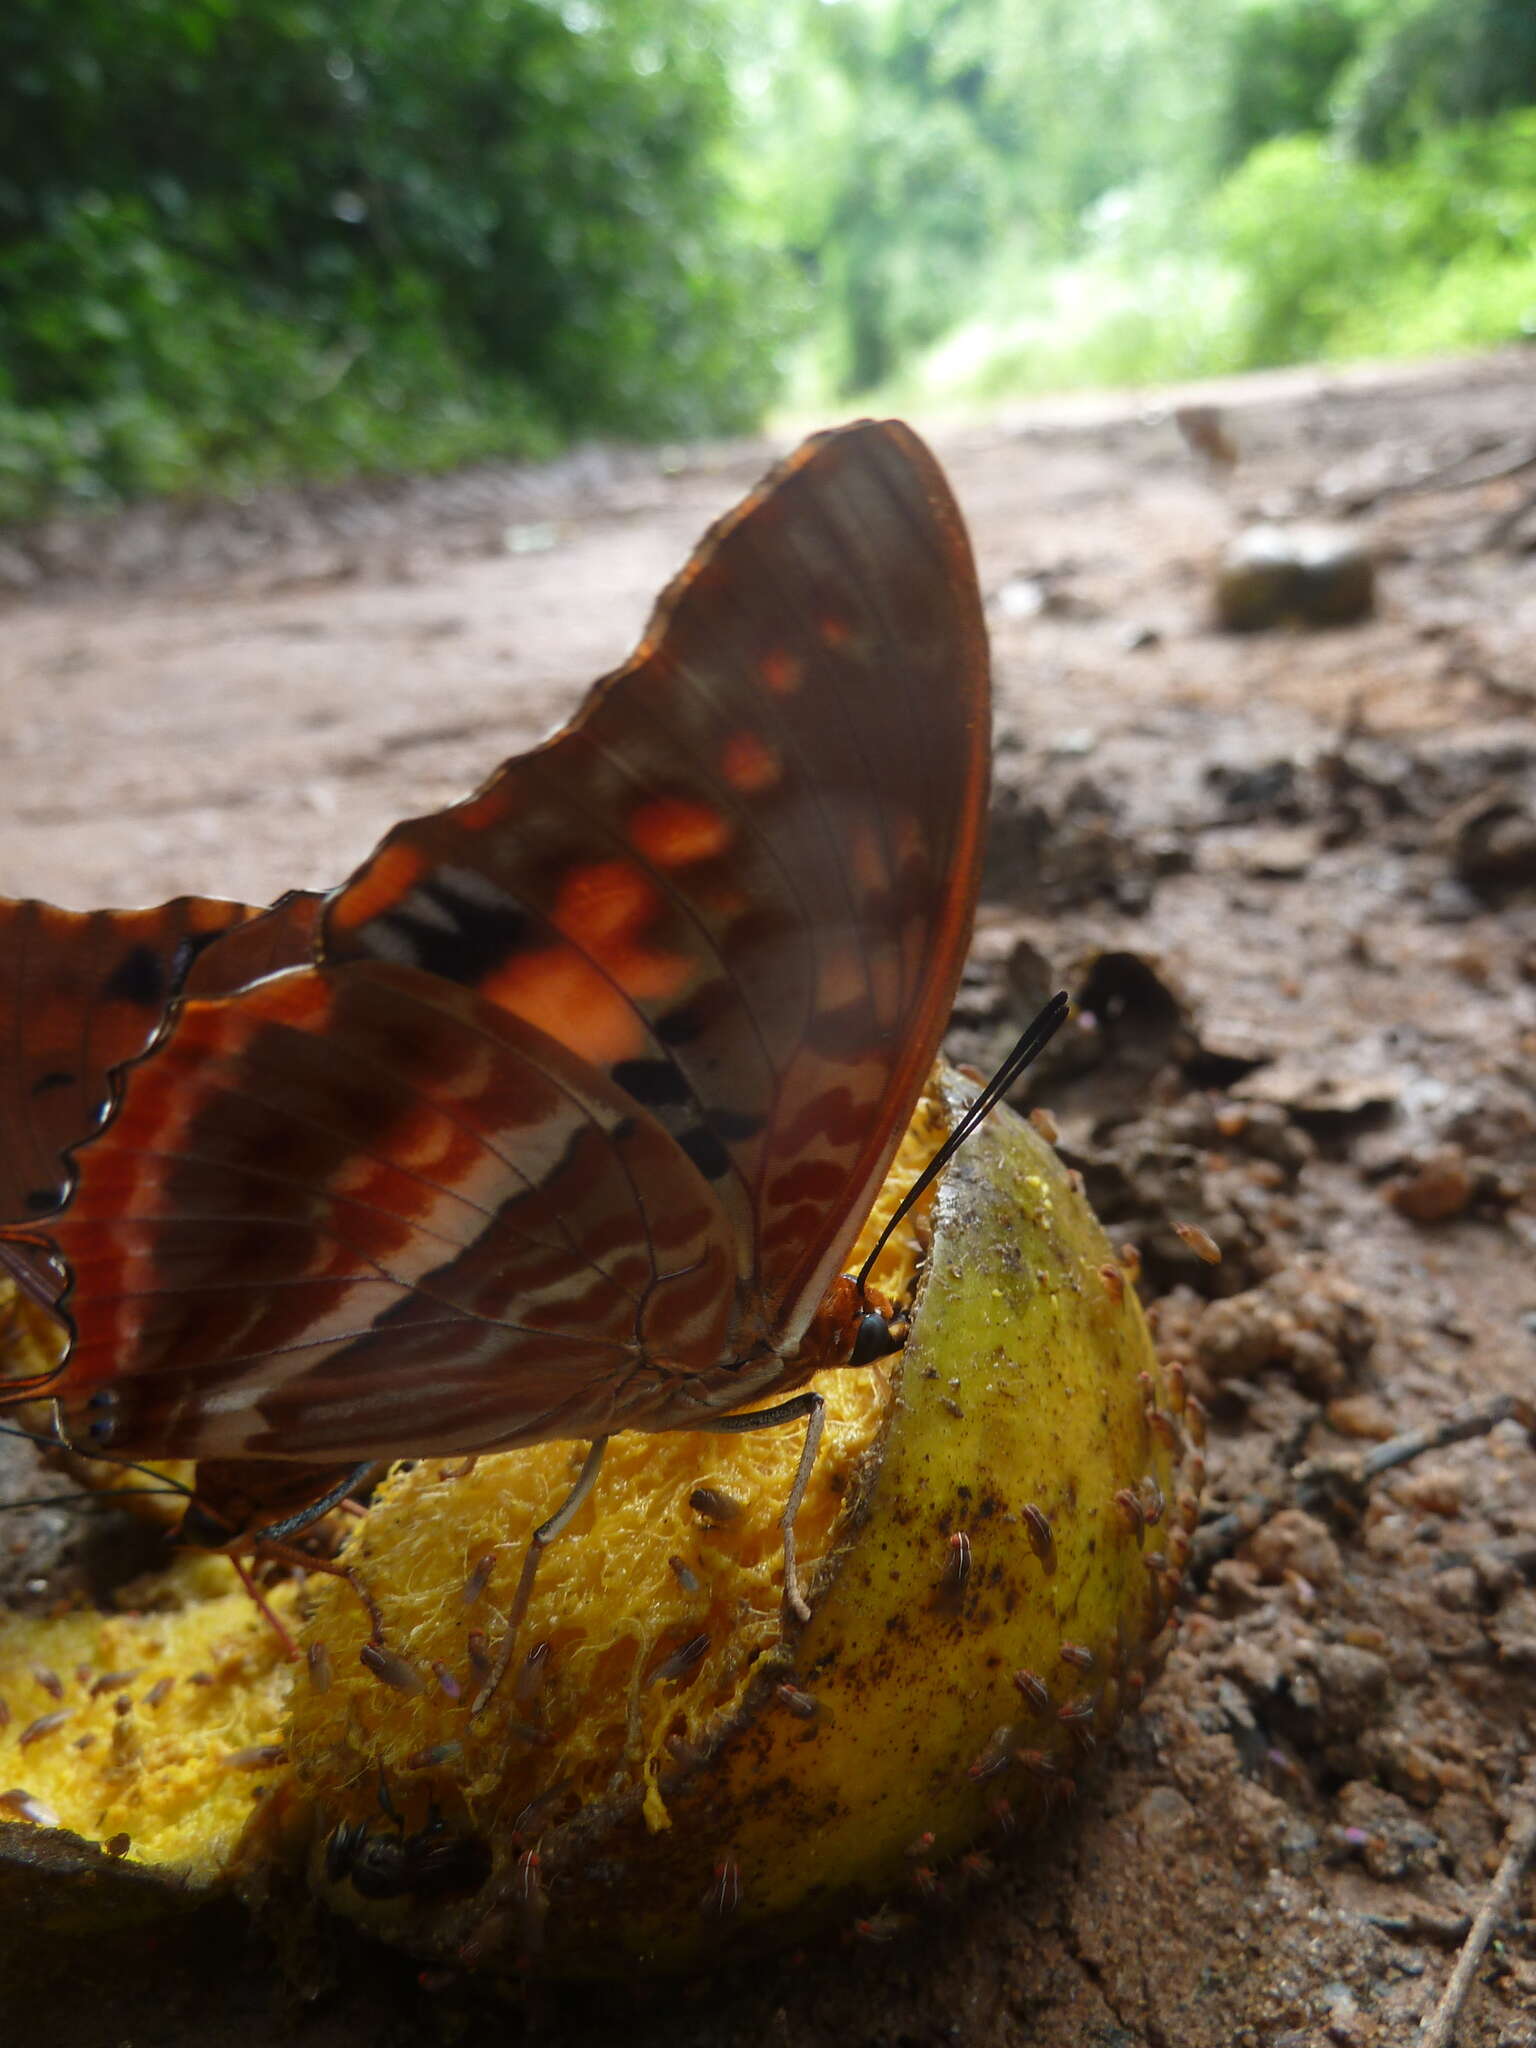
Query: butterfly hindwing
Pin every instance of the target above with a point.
(361, 1207)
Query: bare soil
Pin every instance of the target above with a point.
(1293, 874)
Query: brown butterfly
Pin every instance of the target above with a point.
(569, 1122)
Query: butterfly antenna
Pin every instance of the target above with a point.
(91, 1500)
(1035, 1038)
(164, 1482)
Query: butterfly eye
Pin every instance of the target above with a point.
(878, 1336)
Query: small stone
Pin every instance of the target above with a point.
(1387, 1835)
(1360, 1415)
(1351, 1685)
(1438, 1188)
(1430, 1492)
(1292, 1541)
(1273, 575)
(1457, 1588)
(1163, 1812)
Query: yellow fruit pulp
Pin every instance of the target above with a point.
(164, 1727)
(647, 1616)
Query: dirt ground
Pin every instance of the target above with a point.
(1293, 876)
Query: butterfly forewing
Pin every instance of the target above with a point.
(81, 992)
(741, 880)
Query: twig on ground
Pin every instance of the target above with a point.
(1475, 1418)
(1451, 475)
(1322, 1482)
(1423, 1927)
(1439, 2030)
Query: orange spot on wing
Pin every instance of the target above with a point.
(749, 764)
(560, 991)
(604, 900)
(584, 992)
(478, 813)
(391, 875)
(671, 831)
(781, 672)
(649, 977)
(835, 632)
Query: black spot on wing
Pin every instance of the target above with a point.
(656, 1083)
(681, 1026)
(440, 929)
(139, 978)
(707, 1151)
(55, 1078)
(40, 1201)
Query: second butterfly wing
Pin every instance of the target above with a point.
(84, 991)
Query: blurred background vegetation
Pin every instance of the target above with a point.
(243, 240)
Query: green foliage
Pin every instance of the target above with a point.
(1428, 64)
(1341, 258)
(932, 143)
(1032, 194)
(248, 238)
(258, 236)
(1283, 62)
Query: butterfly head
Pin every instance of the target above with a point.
(877, 1334)
(855, 1325)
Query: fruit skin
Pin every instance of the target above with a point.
(1026, 1510)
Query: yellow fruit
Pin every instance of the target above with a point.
(991, 1542)
(993, 1547)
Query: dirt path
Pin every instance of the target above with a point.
(1296, 875)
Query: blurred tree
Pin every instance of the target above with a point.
(906, 146)
(1428, 64)
(355, 229)
(1283, 61)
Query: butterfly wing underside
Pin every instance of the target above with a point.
(741, 880)
(356, 1208)
(664, 991)
(82, 992)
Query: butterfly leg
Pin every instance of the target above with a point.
(538, 1543)
(247, 1579)
(811, 1409)
(202, 1527)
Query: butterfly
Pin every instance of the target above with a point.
(559, 1116)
